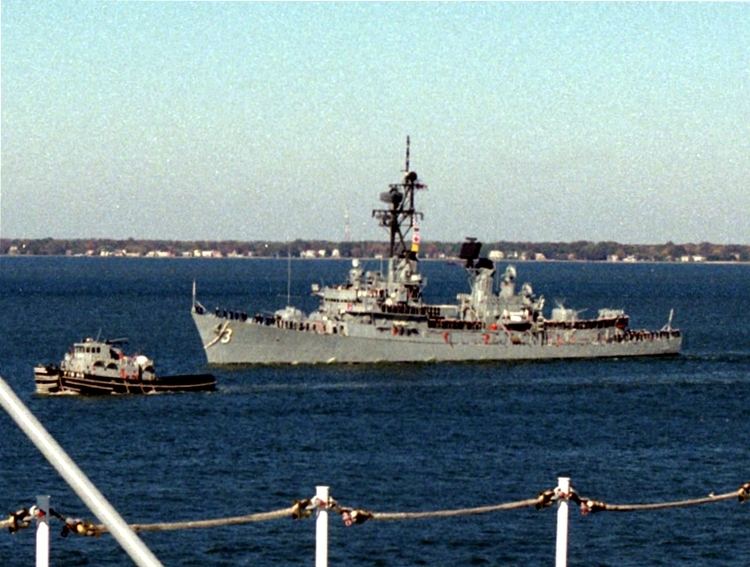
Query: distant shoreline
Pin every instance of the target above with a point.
(578, 251)
(372, 259)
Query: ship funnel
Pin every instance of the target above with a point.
(470, 251)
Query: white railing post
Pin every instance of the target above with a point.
(42, 531)
(561, 550)
(321, 526)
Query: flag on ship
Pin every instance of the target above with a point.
(415, 239)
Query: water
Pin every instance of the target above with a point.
(385, 437)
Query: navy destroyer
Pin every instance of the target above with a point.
(383, 317)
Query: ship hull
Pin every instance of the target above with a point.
(247, 342)
(50, 380)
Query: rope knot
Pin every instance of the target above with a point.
(329, 504)
(743, 494)
(354, 516)
(79, 527)
(589, 506)
(20, 519)
(302, 509)
(570, 495)
(545, 498)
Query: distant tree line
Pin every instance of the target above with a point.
(578, 250)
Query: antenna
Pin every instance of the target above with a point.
(408, 141)
(347, 226)
(288, 275)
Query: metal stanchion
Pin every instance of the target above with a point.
(321, 527)
(561, 552)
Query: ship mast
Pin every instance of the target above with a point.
(401, 218)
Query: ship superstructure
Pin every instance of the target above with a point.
(379, 316)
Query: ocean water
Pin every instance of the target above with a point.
(385, 437)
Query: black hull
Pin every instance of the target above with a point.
(92, 385)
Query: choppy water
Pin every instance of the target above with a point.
(386, 437)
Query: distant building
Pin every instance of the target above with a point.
(695, 258)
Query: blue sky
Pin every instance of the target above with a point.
(249, 121)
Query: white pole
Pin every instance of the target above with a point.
(321, 527)
(42, 531)
(561, 555)
(74, 476)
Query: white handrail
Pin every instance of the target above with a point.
(74, 476)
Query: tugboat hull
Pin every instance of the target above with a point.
(49, 381)
(97, 367)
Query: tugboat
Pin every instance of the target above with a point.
(376, 317)
(97, 367)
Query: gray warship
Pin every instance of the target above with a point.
(382, 317)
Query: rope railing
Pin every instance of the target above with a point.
(304, 508)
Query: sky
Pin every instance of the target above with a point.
(276, 121)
